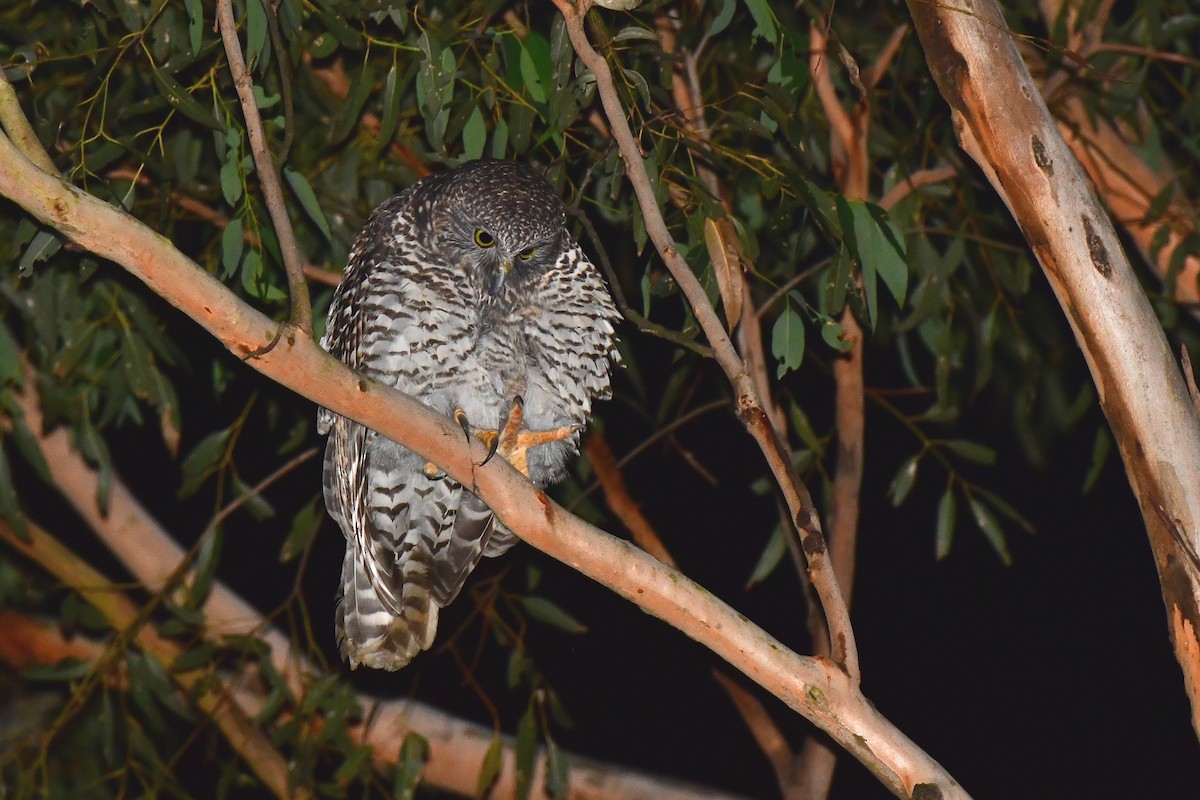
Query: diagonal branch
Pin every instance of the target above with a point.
(620, 502)
(748, 405)
(816, 688)
(268, 173)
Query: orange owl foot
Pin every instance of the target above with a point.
(513, 444)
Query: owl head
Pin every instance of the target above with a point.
(499, 219)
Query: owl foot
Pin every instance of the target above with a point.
(513, 443)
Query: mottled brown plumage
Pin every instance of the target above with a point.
(467, 292)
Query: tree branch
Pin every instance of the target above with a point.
(816, 688)
(268, 173)
(616, 495)
(1003, 123)
(749, 407)
(767, 735)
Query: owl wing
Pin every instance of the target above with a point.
(391, 511)
(469, 538)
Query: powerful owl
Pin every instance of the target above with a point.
(467, 292)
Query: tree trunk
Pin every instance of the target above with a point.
(1002, 122)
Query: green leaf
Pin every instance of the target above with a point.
(253, 503)
(231, 181)
(151, 688)
(973, 451)
(787, 341)
(723, 18)
(474, 135)
(500, 140)
(639, 83)
(139, 368)
(530, 76)
(837, 281)
(45, 244)
(205, 568)
(764, 20)
(308, 200)
(946, 515)
(66, 670)
(490, 768)
(526, 750)
(518, 665)
(29, 447)
(548, 612)
(203, 460)
(831, 333)
(304, 527)
(635, 33)
(10, 507)
(905, 477)
(355, 766)
(991, 529)
(772, 554)
(233, 242)
(1006, 510)
(347, 116)
(10, 358)
(195, 658)
(195, 12)
(558, 771)
(256, 32)
(881, 243)
(181, 100)
(414, 752)
(391, 106)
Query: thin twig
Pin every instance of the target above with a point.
(271, 8)
(924, 177)
(766, 733)
(258, 489)
(872, 74)
(268, 174)
(648, 442)
(749, 408)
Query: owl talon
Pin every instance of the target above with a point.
(493, 448)
(460, 417)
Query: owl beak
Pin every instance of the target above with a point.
(497, 279)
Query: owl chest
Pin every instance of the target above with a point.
(450, 356)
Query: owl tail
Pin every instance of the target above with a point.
(370, 631)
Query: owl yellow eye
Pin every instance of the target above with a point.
(527, 253)
(483, 238)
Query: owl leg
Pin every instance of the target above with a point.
(513, 443)
(430, 469)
